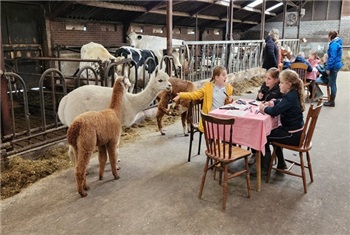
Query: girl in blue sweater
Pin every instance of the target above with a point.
(290, 108)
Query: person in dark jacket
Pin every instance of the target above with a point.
(290, 108)
(334, 63)
(271, 52)
(299, 59)
(269, 90)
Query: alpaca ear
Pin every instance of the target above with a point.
(156, 71)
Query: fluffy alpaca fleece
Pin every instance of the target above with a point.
(177, 85)
(97, 128)
(95, 98)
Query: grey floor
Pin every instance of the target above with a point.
(157, 191)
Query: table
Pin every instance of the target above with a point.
(250, 129)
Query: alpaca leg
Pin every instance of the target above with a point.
(117, 151)
(80, 173)
(159, 117)
(72, 155)
(102, 158)
(113, 156)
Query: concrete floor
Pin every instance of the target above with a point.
(157, 191)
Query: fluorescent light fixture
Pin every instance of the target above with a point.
(255, 3)
(274, 7)
(224, 2)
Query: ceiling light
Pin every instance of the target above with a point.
(274, 7)
(255, 3)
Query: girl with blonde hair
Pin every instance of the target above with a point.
(215, 93)
(290, 108)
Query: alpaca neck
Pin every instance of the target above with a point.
(141, 100)
(117, 98)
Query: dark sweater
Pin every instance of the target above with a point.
(289, 109)
(268, 94)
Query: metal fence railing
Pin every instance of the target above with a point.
(234, 55)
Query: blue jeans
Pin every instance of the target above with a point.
(322, 79)
(333, 81)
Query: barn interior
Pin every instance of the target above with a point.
(41, 42)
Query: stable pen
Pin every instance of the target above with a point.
(226, 94)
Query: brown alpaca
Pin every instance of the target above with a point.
(101, 129)
(177, 85)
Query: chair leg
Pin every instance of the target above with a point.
(309, 165)
(247, 175)
(199, 144)
(328, 93)
(203, 178)
(273, 158)
(190, 150)
(224, 196)
(313, 91)
(220, 178)
(303, 171)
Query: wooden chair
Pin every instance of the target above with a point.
(305, 146)
(328, 97)
(220, 152)
(195, 108)
(301, 70)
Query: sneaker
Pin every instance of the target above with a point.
(252, 159)
(282, 166)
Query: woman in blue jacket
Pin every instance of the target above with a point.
(334, 63)
(290, 108)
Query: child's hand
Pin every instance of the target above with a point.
(176, 98)
(262, 107)
(260, 96)
(230, 99)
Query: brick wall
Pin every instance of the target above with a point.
(94, 33)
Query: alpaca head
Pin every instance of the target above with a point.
(160, 80)
(126, 82)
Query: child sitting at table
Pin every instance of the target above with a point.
(314, 60)
(269, 90)
(215, 93)
(290, 108)
(321, 68)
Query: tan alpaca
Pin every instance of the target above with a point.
(101, 129)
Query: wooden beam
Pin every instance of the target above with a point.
(117, 6)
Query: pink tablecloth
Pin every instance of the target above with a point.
(250, 129)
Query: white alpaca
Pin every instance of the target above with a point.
(95, 98)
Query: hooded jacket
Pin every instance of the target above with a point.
(335, 51)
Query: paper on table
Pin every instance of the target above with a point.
(237, 113)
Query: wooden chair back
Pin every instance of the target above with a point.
(195, 108)
(218, 147)
(309, 126)
(301, 70)
(194, 112)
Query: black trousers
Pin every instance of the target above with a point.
(281, 135)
